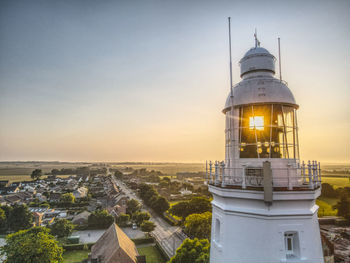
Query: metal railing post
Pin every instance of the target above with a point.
(223, 174)
(316, 172)
(319, 172)
(290, 185)
(210, 171)
(243, 176)
(303, 172)
(311, 183)
(216, 173)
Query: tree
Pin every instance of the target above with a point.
(36, 174)
(34, 245)
(20, 218)
(2, 220)
(196, 205)
(198, 225)
(61, 228)
(180, 209)
(123, 219)
(147, 226)
(328, 191)
(160, 205)
(343, 207)
(68, 198)
(118, 175)
(139, 217)
(132, 206)
(100, 219)
(192, 251)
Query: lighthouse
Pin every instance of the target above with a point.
(264, 207)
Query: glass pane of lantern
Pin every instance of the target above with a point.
(256, 122)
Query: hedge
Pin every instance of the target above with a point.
(145, 240)
(77, 246)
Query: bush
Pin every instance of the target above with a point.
(145, 240)
(77, 246)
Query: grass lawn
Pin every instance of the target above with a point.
(326, 205)
(336, 181)
(152, 254)
(75, 256)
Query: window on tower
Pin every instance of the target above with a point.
(217, 231)
(268, 131)
(291, 243)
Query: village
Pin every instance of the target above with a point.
(91, 198)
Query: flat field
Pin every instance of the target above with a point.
(167, 168)
(337, 181)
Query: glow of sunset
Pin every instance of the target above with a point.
(147, 80)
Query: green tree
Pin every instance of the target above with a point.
(180, 209)
(139, 217)
(36, 174)
(132, 206)
(196, 205)
(147, 226)
(123, 219)
(327, 190)
(198, 225)
(68, 199)
(118, 175)
(2, 220)
(20, 218)
(100, 219)
(343, 207)
(34, 245)
(192, 251)
(61, 228)
(160, 205)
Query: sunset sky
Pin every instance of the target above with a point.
(147, 80)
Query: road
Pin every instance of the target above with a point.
(169, 237)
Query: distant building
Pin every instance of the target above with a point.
(55, 197)
(114, 246)
(81, 192)
(38, 217)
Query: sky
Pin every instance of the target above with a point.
(147, 80)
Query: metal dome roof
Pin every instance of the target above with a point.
(257, 59)
(256, 50)
(260, 90)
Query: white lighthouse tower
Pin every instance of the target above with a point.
(264, 207)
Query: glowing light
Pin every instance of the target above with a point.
(257, 123)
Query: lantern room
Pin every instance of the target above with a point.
(261, 117)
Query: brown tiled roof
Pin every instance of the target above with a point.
(113, 245)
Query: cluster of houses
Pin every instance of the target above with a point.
(47, 190)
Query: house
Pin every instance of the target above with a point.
(81, 219)
(37, 218)
(12, 199)
(81, 192)
(2, 201)
(114, 246)
(3, 183)
(55, 197)
(25, 196)
(9, 189)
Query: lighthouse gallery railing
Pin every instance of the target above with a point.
(304, 176)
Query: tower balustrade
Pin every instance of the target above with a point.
(293, 178)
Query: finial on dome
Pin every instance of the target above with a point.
(257, 42)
